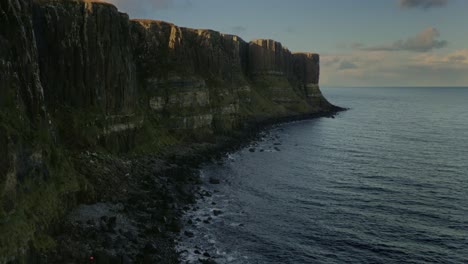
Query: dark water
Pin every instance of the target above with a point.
(386, 182)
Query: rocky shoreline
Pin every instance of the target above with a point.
(136, 216)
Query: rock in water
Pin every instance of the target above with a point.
(217, 212)
(189, 234)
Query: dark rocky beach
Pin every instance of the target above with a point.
(136, 212)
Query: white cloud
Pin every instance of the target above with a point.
(424, 41)
(456, 58)
(387, 68)
(347, 65)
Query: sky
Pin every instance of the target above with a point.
(361, 42)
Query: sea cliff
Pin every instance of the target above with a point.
(83, 88)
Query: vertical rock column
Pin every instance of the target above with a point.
(88, 72)
(269, 57)
(21, 95)
(307, 67)
(270, 68)
(193, 78)
(20, 86)
(307, 71)
(86, 56)
(24, 132)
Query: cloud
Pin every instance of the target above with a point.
(456, 58)
(347, 65)
(424, 4)
(145, 8)
(355, 45)
(238, 29)
(329, 60)
(424, 41)
(384, 68)
(339, 62)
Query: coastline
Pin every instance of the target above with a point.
(163, 131)
(138, 218)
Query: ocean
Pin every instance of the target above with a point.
(384, 182)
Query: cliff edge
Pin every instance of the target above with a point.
(80, 76)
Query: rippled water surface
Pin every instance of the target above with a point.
(386, 182)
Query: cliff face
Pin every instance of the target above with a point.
(283, 75)
(307, 67)
(28, 192)
(85, 56)
(20, 72)
(307, 70)
(76, 75)
(20, 93)
(269, 57)
(166, 49)
(192, 78)
(88, 71)
(206, 79)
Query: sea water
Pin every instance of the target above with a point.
(385, 182)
